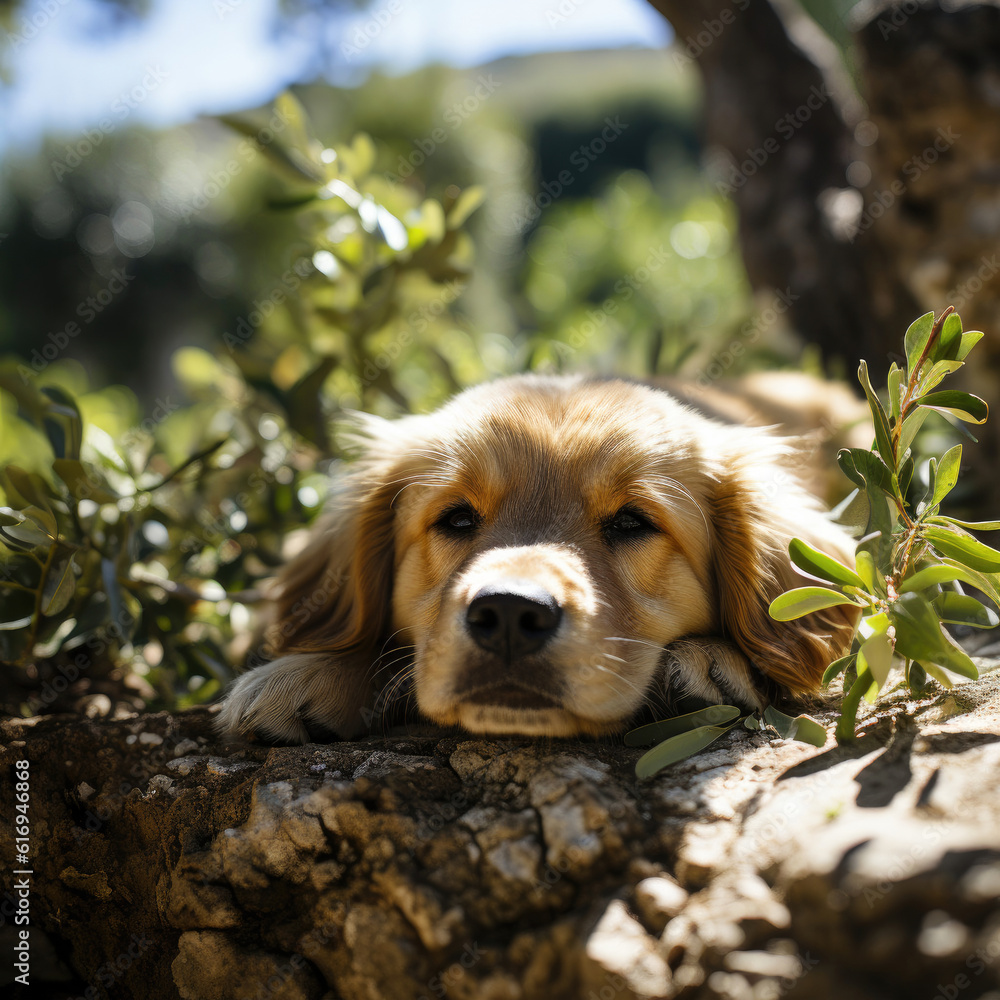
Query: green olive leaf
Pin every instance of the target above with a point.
(931, 576)
(59, 588)
(873, 581)
(960, 609)
(838, 667)
(972, 525)
(959, 404)
(877, 654)
(947, 474)
(964, 548)
(84, 481)
(678, 748)
(950, 341)
(810, 560)
(30, 486)
(919, 636)
(883, 435)
(969, 340)
(911, 424)
(713, 715)
(916, 339)
(805, 600)
(849, 708)
(896, 386)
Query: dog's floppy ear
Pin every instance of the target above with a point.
(335, 596)
(754, 515)
(332, 609)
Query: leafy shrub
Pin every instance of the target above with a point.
(911, 560)
(131, 552)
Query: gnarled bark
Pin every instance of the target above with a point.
(779, 122)
(862, 210)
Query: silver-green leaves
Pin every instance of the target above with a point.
(685, 735)
(911, 562)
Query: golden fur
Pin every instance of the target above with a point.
(545, 555)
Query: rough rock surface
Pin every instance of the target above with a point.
(167, 865)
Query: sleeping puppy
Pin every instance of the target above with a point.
(545, 556)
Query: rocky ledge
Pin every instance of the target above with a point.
(168, 865)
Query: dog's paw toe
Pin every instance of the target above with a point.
(256, 709)
(710, 672)
(297, 699)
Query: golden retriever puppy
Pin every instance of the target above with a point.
(545, 555)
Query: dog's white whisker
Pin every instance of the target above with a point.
(391, 637)
(392, 502)
(389, 694)
(602, 602)
(619, 679)
(387, 668)
(642, 642)
(383, 667)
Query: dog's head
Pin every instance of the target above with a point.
(538, 541)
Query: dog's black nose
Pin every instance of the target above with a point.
(512, 618)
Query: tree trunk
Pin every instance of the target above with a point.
(780, 118)
(932, 77)
(862, 212)
(166, 865)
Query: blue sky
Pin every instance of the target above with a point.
(190, 57)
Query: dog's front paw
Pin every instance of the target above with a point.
(293, 700)
(710, 671)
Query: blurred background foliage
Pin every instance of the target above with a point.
(185, 313)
